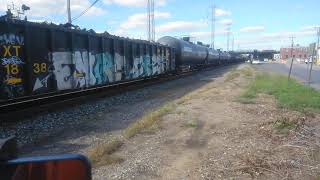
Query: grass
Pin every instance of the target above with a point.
(283, 126)
(191, 124)
(103, 154)
(290, 94)
(149, 122)
(232, 75)
(245, 100)
(247, 71)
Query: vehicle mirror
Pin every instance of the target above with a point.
(62, 167)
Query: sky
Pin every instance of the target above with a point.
(253, 24)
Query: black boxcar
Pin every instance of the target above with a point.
(36, 59)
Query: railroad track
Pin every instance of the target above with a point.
(14, 111)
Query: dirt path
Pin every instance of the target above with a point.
(211, 136)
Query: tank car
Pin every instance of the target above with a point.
(213, 57)
(223, 57)
(187, 53)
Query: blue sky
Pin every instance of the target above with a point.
(254, 24)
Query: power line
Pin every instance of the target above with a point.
(85, 11)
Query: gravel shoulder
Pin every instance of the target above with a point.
(55, 132)
(212, 136)
(208, 135)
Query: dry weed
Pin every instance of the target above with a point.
(103, 154)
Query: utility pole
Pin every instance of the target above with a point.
(149, 20)
(232, 42)
(213, 26)
(69, 11)
(307, 74)
(292, 43)
(313, 54)
(151, 23)
(228, 37)
(318, 34)
(152, 20)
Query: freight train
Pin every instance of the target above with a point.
(37, 59)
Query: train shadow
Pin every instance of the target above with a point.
(91, 121)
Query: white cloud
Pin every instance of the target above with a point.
(226, 21)
(222, 12)
(272, 40)
(310, 28)
(251, 29)
(206, 34)
(140, 20)
(180, 26)
(120, 32)
(46, 9)
(288, 34)
(276, 37)
(200, 34)
(134, 3)
(134, 21)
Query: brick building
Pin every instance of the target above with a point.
(298, 52)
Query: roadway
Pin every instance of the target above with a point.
(299, 72)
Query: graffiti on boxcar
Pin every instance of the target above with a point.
(109, 68)
(11, 39)
(102, 67)
(42, 72)
(41, 82)
(11, 65)
(147, 66)
(98, 69)
(82, 69)
(167, 60)
(155, 65)
(11, 60)
(92, 79)
(71, 69)
(63, 70)
(164, 61)
(80, 59)
(119, 67)
(137, 69)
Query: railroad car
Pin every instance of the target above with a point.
(193, 55)
(224, 57)
(38, 59)
(187, 53)
(213, 57)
